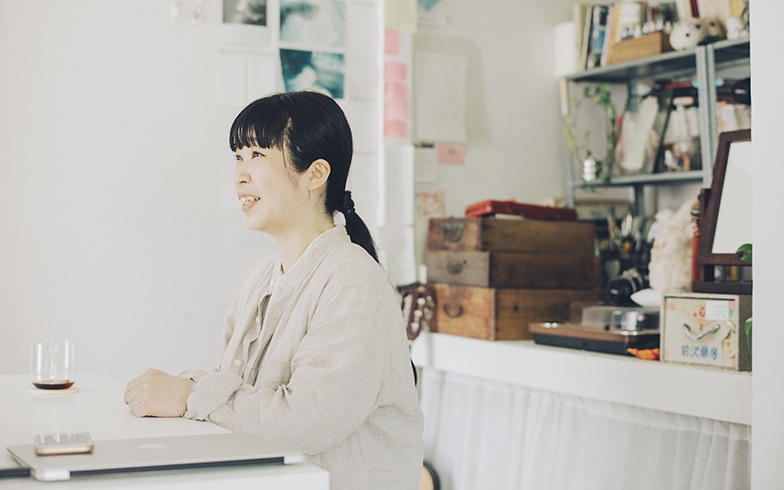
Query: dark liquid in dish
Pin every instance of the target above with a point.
(55, 384)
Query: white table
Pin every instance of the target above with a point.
(98, 408)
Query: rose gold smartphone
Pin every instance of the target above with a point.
(63, 443)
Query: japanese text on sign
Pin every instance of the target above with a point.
(699, 351)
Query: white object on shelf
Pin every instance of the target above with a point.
(648, 297)
(688, 390)
(563, 35)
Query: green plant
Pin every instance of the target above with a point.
(602, 97)
(747, 331)
(745, 252)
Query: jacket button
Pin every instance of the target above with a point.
(237, 362)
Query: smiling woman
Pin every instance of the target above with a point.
(315, 352)
(262, 172)
(281, 128)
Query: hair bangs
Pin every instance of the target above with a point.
(262, 124)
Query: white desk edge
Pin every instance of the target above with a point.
(98, 405)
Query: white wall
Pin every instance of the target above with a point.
(515, 148)
(767, 74)
(115, 230)
(113, 234)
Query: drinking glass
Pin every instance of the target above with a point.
(54, 365)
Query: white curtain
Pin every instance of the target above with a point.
(483, 434)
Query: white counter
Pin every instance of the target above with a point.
(99, 409)
(688, 390)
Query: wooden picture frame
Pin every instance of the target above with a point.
(710, 206)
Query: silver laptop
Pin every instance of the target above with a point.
(158, 453)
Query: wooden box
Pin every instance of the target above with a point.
(706, 329)
(511, 235)
(502, 314)
(513, 270)
(640, 47)
(532, 211)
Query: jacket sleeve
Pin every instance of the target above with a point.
(335, 382)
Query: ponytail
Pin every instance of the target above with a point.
(355, 227)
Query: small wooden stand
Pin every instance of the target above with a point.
(709, 212)
(640, 47)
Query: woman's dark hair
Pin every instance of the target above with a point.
(306, 126)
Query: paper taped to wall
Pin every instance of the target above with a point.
(440, 85)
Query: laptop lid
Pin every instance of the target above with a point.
(159, 453)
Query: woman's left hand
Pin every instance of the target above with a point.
(157, 394)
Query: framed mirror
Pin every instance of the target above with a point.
(726, 215)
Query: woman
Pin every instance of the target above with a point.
(315, 351)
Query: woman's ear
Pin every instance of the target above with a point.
(318, 174)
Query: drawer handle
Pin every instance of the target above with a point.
(454, 267)
(452, 312)
(697, 337)
(453, 232)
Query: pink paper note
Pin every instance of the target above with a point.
(395, 129)
(391, 42)
(451, 154)
(396, 109)
(395, 91)
(395, 71)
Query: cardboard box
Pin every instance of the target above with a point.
(706, 329)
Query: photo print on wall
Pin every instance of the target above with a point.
(312, 45)
(320, 71)
(320, 23)
(253, 12)
(245, 22)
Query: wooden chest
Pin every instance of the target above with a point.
(502, 314)
(513, 270)
(511, 235)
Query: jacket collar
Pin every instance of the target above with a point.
(313, 255)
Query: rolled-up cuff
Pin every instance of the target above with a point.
(194, 375)
(210, 392)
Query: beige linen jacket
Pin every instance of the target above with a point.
(318, 357)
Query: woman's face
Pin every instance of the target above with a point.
(270, 193)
